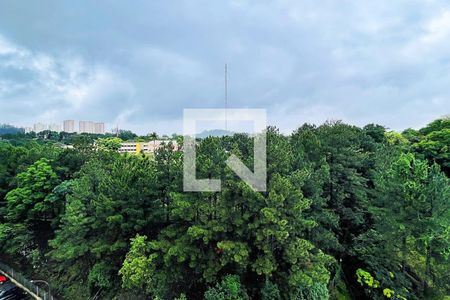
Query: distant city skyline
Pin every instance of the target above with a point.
(67, 126)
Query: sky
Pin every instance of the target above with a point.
(138, 64)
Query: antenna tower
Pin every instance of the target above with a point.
(226, 96)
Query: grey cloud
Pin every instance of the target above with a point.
(139, 64)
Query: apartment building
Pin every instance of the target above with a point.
(99, 128)
(69, 126)
(54, 127)
(86, 127)
(39, 127)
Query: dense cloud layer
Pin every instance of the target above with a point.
(139, 64)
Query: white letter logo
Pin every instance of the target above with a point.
(256, 179)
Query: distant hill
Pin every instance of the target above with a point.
(214, 132)
(9, 129)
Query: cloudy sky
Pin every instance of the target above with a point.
(140, 63)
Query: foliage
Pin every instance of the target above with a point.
(270, 291)
(111, 144)
(229, 288)
(374, 288)
(348, 212)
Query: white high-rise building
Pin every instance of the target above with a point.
(54, 127)
(39, 127)
(69, 126)
(86, 127)
(99, 128)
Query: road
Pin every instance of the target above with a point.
(26, 285)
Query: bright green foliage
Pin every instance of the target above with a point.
(348, 212)
(434, 143)
(99, 276)
(181, 297)
(71, 244)
(436, 125)
(29, 210)
(388, 293)
(374, 288)
(111, 144)
(229, 288)
(411, 222)
(30, 199)
(396, 139)
(365, 278)
(433, 234)
(137, 267)
(109, 203)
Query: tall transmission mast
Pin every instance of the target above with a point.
(226, 96)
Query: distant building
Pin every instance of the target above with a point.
(86, 127)
(39, 127)
(145, 147)
(69, 126)
(28, 129)
(54, 127)
(99, 128)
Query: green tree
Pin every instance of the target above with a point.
(29, 211)
(30, 200)
(229, 288)
(111, 201)
(110, 144)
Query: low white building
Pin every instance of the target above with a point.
(145, 147)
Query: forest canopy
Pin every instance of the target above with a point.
(349, 213)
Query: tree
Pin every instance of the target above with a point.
(30, 200)
(29, 210)
(348, 212)
(345, 188)
(229, 288)
(433, 234)
(237, 231)
(111, 201)
(411, 221)
(126, 135)
(435, 147)
(310, 160)
(109, 144)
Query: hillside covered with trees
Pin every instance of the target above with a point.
(349, 213)
(9, 129)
